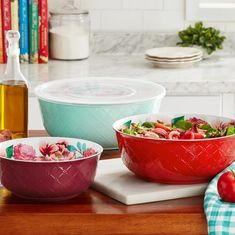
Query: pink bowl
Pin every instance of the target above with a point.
(48, 181)
(175, 161)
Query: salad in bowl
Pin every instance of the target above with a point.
(180, 128)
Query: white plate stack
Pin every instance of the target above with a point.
(173, 57)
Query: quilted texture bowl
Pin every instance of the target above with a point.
(90, 116)
(175, 161)
(48, 181)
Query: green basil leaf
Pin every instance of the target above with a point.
(212, 133)
(149, 124)
(198, 25)
(174, 120)
(184, 125)
(230, 130)
(205, 127)
(128, 131)
(127, 124)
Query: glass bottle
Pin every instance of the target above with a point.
(14, 92)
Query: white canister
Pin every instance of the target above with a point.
(69, 34)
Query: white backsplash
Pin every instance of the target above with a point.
(132, 26)
(138, 15)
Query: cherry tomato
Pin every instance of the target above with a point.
(188, 135)
(199, 136)
(226, 186)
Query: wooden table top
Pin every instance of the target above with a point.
(95, 213)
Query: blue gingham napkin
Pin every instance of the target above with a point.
(220, 215)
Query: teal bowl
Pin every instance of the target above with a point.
(91, 121)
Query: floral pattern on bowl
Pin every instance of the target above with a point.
(59, 151)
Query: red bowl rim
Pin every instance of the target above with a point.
(123, 120)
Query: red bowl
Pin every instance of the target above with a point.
(175, 161)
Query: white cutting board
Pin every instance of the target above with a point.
(116, 181)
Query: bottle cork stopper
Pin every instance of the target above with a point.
(13, 37)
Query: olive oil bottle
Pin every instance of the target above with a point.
(14, 92)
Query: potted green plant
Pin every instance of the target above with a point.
(209, 39)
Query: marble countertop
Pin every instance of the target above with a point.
(211, 76)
